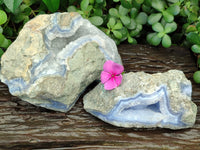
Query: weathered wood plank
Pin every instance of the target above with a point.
(24, 126)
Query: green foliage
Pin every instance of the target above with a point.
(154, 18)
(162, 22)
(196, 77)
(193, 38)
(96, 20)
(13, 15)
(91, 10)
(1, 52)
(129, 16)
(196, 48)
(126, 3)
(4, 42)
(3, 17)
(52, 5)
(161, 34)
(12, 5)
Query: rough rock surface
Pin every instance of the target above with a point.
(54, 58)
(144, 101)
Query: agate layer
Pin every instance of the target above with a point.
(54, 58)
(145, 101)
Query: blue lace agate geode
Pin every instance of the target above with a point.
(145, 101)
(54, 58)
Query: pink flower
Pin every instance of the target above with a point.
(111, 75)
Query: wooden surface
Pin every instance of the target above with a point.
(24, 126)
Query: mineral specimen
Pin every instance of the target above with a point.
(54, 58)
(145, 101)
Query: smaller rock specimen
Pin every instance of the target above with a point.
(144, 101)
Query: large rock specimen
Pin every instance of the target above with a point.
(144, 101)
(54, 58)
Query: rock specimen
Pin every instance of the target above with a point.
(54, 58)
(145, 101)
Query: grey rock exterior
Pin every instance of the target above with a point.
(54, 58)
(144, 101)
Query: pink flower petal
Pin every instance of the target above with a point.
(113, 68)
(118, 69)
(118, 79)
(110, 84)
(108, 66)
(105, 76)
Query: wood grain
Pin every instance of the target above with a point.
(24, 126)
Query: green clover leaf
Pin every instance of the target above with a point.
(170, 27)
(117, 26)
(117, 34)
(3, 17)
(158, 27)
(132, 25)
(196, 76)
(154, 17)
(168, 16)
(123, 11)
(132, 40)
(111, 23)
(96, 20)
(153, 39)
(141, 18)
(84, 4)
(125, 20)
(114, 12)
(193, 38)
(196, 48)
(158, 4)
(126, 3)
(166, 41)
(173, 9)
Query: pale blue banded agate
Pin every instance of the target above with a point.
(54, 62)
(59, 42)
(144, 110)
